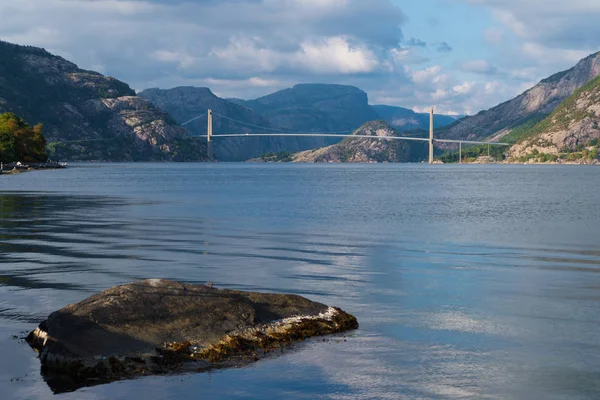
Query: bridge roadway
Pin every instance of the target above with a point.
(350, 136)
(346, 134)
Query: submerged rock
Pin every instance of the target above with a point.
(160, 327)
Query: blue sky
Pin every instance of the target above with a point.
(460, 56)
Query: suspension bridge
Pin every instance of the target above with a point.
(210, 136)
(431, 140)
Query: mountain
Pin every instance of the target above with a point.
(186, 103)
(316, 107)
(405, 119)
(364, 150)
(304, 108)
(91, 116)
(571, 132)
(528, 108)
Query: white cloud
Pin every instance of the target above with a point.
(427, 75)
(318, 4)
(247, 48)
(563, 26)
(259, 82)
(248, 54)
(336, 55)
(401, 57)
(492, 87)
(464, 88)
(183, 59)
(440, 94)
(537, 51)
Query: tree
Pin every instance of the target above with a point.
(19, 141)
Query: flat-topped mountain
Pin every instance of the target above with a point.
(316, 107)
(366, 150)
(94, 117)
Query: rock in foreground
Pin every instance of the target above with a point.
(160, 327)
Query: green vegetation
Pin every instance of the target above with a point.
(282, 156)
(582, 152)
(19, 141)
(471, 153)
(536, 156)
(522, 131)
(565, 114)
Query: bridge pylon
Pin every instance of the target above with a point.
(209, 132)
(431, 136)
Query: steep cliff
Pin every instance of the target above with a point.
(571, 132)
(366, 150)
(88, 116)
(531, 106)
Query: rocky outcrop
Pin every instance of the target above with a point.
(161, 327)
(574, 127)
(86, 115)
(534, 104)
(366, 150)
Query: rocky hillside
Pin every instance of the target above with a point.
(88, 116)
(187, 103)
(530, 107)
(364, 150)
(405, 119)
(571, 132)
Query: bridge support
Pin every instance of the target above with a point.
(431, 136)
(460, 153)
(209, 132)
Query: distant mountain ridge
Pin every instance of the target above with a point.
(304, 108)
(186, 103)
(533, 105)
(316, 107)
(405, 119)
(94, 117)
(88, 116)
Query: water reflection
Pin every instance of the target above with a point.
(463, 289)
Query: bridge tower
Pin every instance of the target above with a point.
(209, 132)
(431, 136)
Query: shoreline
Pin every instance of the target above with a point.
(16, 168)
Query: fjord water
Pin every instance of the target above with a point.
(468, 281)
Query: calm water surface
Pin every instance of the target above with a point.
(475, 282)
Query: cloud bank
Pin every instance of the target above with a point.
(248, 48)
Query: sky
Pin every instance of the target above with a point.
(460, 56)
